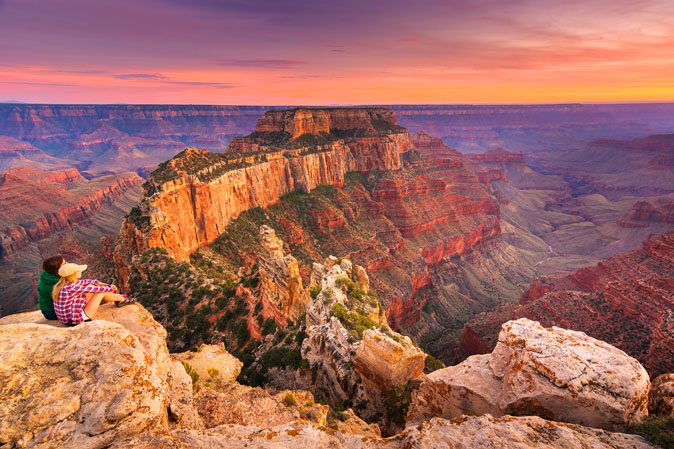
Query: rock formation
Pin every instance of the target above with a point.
(554, 373)
(644, 213)
(192, 198)
(353, 356)
(280, 277)
(111, 383)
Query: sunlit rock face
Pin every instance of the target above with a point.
(190, 199)
(550, 372)
(280, 277)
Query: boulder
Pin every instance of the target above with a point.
(211, 363)
(388, 360)
(88, 385)
(84, 386)
(554, 373)
(661, 396)
(469, 388)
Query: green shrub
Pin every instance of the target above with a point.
(431, 364)
(315, 290)
(213, 373)
(354, 322)
(657, 430)
(269, 327)
(289, 399)
(397, 403)
(192, 373)
(281, 358)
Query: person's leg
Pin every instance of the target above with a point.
(94, 301)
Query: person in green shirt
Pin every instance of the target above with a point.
(48, 279)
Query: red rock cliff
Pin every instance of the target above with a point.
(201, 197)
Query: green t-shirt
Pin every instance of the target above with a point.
(44, 289)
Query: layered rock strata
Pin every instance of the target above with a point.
(627, 301)
(37, 204)
(550, 372)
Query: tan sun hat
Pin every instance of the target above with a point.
(70, 268)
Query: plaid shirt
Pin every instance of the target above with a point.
(72, 299)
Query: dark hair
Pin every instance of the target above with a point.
(52, 265)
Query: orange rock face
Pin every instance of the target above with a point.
(627, 301)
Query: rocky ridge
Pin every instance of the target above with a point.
(353, 355)
(135, 394)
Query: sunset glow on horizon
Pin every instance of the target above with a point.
(350, 52)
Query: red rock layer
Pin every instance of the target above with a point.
(627, 301)
(313, 121)
(644, 213)
(38, 203)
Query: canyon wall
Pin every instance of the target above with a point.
(627, 300)
(39, 203)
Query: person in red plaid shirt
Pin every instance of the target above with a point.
(76, 300)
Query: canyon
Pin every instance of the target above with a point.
(327, 254)
(626, 300)
(402, 215)
(105, 139)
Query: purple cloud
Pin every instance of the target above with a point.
(140, 76)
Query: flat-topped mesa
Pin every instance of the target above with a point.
(189, 200)
(308, 127)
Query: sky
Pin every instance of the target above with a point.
(314, 52)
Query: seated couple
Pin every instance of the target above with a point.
(63, 296)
